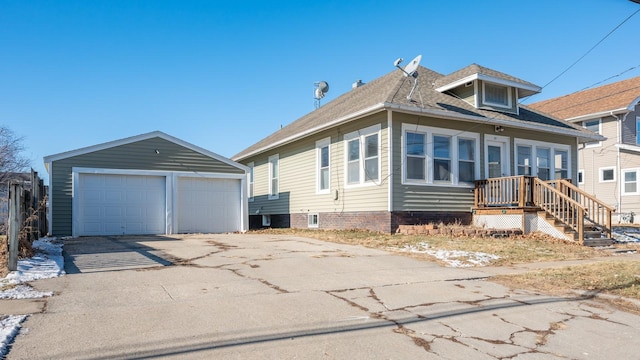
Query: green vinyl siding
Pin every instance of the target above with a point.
(140, 155)
(298, 166)
(429, 197)
(466, 93)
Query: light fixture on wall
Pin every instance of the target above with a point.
(498, 128)
(157, 151)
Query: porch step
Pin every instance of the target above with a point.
(598, 242)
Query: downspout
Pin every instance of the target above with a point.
(618, 141)
(390, 159)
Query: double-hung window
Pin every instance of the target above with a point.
(363, 156)
(561, 164)
(630, 178)
(496, 95)
(323, 165)
(544, 161)
(274, 164)
(439, 156)
(595, 126)
(524, 159)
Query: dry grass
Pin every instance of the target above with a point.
(511, 250)
(617, 278)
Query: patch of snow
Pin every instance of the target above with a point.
(453, 258)
(626, 234)
(9, 327)
(47, 262)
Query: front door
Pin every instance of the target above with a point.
(497, 164)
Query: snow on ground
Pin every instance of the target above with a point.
(626, 234)
(46, 263)
(454, 258)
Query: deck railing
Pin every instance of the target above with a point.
(565, 201)
(596, 212)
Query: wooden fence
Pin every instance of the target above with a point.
(27, 216)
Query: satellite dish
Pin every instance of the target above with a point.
(322, 89)
(411, 68)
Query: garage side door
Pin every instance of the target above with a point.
(208, 205)
(120, 205)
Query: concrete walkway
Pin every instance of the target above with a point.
(282, 297)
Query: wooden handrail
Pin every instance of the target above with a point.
(503, 191)
(597, 211)
(561, 206)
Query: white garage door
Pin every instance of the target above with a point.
(209, 205)
(120, 205)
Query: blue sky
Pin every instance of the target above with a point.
(225, 74)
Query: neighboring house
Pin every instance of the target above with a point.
(147, 184)
(376, 158)
(608, 169)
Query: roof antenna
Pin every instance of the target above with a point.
(321, 88)
(410, 70)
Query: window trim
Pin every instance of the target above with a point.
(593, 143)
(320, 144)
(454, 136)
(503, 106)
(311, 216)
(361, 135)
(601, 171)
(251, 181)
(534, 144)
(274, 194)
(624, 182)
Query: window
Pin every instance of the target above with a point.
(543, 161)
(439, 156)
(607, 174)
(266, 220)
(251, 175)
(496, 95)
(466, 160)
(415, 164)
(580, 176)
(274, 164)
(630, 186)
(312, 220)
(592, 125)
(524, 160)
(362, 156)
(552, 161)
(323, 165)
(561, 164)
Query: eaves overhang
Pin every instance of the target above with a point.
(599, 114)
(525, 89)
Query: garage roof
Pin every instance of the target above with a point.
(154, 134)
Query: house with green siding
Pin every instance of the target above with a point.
(402, 150)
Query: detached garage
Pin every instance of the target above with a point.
(146, 184)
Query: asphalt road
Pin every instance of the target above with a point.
(250, 296)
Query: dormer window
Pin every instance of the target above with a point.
(496, 95)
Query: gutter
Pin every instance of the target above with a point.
(598, 114)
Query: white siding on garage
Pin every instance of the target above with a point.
(110, 204)
(209, 205)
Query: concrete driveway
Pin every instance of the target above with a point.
(254, 296)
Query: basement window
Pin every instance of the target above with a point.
(312, 220)
(266, 220)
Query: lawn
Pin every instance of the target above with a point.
(613, 277)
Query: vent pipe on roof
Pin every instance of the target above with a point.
(357, 84)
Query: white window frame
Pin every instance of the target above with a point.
(274, 160)
(490, 103)
(266, 220)
(361, 135)
(624, 182)
(601, 174)
(251, 181)
(320, 144)
(310, 220)
(593, 143)
(581, 177)
(454, 136)
(534, 144)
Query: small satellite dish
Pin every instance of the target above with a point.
(410, 70)
(321, 89)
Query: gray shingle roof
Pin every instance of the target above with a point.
(391, 90)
